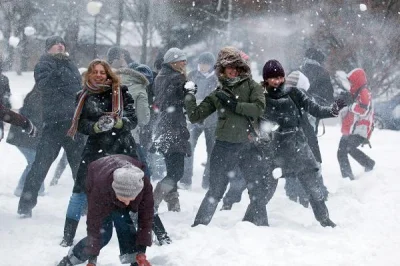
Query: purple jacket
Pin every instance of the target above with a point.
(102, 201)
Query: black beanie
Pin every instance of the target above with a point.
(206, 58)
(114, 53)
(52, 40)
(273, 69)
(315, 54)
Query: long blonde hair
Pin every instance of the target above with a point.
(115, 80)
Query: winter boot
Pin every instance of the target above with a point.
(206, 211)
(70, 227)
(172, 199)
(159, 193)
(65, 262)
(160, 232)
(321, 213)
(256, 214)
(226, 206)
(328, 223)
(370, 167)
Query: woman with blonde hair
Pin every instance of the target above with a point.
(104, 113)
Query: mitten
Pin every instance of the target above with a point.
(119, 124)
(226, 101)
(338, 105)
(105, 123)
(190, 87)
(141, 260)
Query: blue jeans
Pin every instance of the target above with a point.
(126, 235)
(77, 203)
(30, 158)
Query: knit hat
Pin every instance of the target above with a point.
(207, 59)
(273, 69)
(52, 40)
(298, 80)
(128, 181)
(146, 71)
(114, 53)
(315, 54)
(174, 55)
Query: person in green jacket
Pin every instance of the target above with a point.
(238, 101)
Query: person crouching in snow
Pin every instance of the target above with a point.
(357, 123)
(290, 149)
(115, 185)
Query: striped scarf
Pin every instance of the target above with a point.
(117, 103)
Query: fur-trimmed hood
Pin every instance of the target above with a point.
(231, 56)
(132, 76)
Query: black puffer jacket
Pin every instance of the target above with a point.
(171, 133)
(320, 82)
(58, 79)
(290, 148)
(32, 109)
(115, 141)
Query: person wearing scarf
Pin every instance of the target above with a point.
(104, 113)
(237, 101)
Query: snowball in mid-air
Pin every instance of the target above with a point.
(13, 41)
(363, 7)
(29, 31)
(189, 85)
(277, 173)
(94, 7)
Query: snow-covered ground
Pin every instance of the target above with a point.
(367, 212)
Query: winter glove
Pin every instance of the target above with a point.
(119, 124)
(105, 123)
(226, 101)
(141, 260)
(92, 261)
(190, 87)
(338, 105)
(31, 129)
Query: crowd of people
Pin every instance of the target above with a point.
(115, 118)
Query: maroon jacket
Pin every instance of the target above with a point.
(13, 118)
(102, 201)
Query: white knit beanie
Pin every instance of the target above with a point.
(174, 55)
(298, 80)
(128, 181)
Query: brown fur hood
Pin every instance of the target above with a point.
(230, 56)
(133, 74)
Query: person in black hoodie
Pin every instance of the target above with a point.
(289, 148)
(58, 80)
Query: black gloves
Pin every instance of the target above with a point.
(338, 105)
(226, 100)
(31, 129)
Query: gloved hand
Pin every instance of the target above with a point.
(141, 260)
(31, 129)
(338, 105)
(92, 261)
(119, 123)
(190, 87)
(105, 123)
(226, 100)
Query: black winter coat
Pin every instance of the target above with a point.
(205, 85)
(114, 141)
(290, 148)
(320, 83)
(5, 94)
(59, 80)
(32, 109)
(171, 133)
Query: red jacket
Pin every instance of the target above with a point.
(358, 118)
(102, 201)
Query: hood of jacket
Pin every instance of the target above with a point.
(132, 76)
(357, 78)
(230, 56)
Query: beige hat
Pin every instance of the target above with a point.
(128, 181)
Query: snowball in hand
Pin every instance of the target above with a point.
(277, 173)
(189, 85)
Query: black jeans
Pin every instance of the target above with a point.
(225, 158)
(174, 163)
(348, 145)
(54, 137)
(195, 132)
